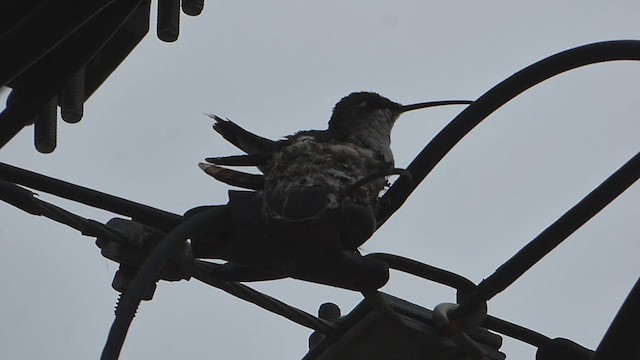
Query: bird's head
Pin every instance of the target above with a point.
(371, 109)
(363, 108)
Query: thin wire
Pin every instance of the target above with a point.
(515, 331)
(202, 273)
(26, 200)
(139, 212)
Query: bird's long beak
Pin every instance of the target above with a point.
(428, 104)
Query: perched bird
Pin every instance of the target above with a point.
(356, 144)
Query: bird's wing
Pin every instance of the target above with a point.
(243, 139)
(260, 159)
(234, 178)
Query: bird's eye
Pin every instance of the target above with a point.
(363, 104)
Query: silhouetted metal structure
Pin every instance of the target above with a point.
(84, 42)
(371, 328)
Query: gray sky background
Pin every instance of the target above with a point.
(277, 67)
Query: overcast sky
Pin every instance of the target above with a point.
(278, 67)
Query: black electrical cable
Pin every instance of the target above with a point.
(515, 331)
(497, 96)
(437, 149)
(139, 212)
(25, 200)
(148, 273)
(327, 328)
(621, 339)
(425, 271)
(463, 285)
(553, 235)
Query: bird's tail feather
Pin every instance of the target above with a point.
(234, 178)
(241, 160)
(244, 140)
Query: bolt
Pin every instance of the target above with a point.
(168, 26)
(45, 127)
(72, 98)
(329, 311)
(192, 7)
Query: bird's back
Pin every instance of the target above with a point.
(306, 162)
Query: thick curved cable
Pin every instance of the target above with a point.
(148, 273)
(493, 99)
(553, 235)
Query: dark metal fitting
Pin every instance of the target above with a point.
(476, 351)
(122, 279)
(452, 328)
(141, 240)
(137, 233)
(329, 311)
(563, 349)
(384, 310)
(186, 262)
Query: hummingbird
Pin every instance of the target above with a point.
(356, 144)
